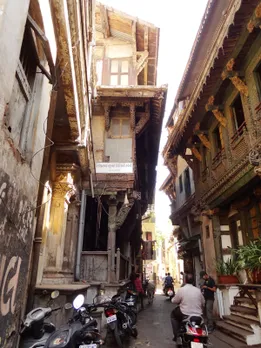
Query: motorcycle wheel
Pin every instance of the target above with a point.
(134, 333)
(133, 317)
(117, 336)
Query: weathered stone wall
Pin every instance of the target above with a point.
(18, 175)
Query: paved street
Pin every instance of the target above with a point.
(155, 329)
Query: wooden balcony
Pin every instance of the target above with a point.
(95, 266)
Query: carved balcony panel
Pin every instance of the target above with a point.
(219, 165)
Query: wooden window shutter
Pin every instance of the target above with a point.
(106, 72)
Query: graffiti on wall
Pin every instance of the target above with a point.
(15, 212)
(9, 275)
(16, 222)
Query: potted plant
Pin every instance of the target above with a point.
(249, 258)
(226, 271)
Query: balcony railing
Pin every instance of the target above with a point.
(218, 158)
(239, 132)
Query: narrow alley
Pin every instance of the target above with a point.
(155, 328)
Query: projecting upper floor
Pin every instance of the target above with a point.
(126, 49)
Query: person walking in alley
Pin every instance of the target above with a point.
(139, 289)
(189, 301)
(208, 290)
(132, 278)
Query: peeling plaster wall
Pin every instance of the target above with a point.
(98, 130)
(18, 188)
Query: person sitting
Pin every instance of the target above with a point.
(189, 301)
(168, 282)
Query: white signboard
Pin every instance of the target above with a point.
(114, 168)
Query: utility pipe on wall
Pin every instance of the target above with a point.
(80, 235)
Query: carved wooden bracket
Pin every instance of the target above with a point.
(196, 153)
(203, 138)
(255, 21)
(132, 116)
(142, 61)
(123, 213)
(172, 165)
(232, 75)
(142, 123)
(107, 109)
(215, 109)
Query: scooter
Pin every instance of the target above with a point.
(80, 332)
(169, 291)
(34, 330)
(121, 320)
(193, 333)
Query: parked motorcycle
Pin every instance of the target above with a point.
(80, 332)
(193, 333)
(131, 299)
(34, 330)
(121, 319)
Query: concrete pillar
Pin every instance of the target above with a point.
(62, 190)
(112, 203)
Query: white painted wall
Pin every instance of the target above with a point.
(181, 197)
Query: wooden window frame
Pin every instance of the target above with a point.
(119, 74)
(111, 136)
(181, 188)
(238, 130)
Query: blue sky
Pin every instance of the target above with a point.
(178, 21)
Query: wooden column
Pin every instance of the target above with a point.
(62, 190)
(112, 234)
(217, 237)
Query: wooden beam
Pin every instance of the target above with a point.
(105, 22)
(146, 48)
(46, 46)
(142, 61)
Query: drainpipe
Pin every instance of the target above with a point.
(80, 235)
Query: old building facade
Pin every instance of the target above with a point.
(127, 109)
(217, 120)
(44, 135)
(27, 63)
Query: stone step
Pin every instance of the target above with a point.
(240, 322)
(246, 301)
(233, 331)
(247, 312)
(227, 339)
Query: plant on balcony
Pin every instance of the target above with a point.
(249, 258)
(227, 270)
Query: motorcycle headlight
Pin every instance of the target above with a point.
(58, 340)
(170, 293)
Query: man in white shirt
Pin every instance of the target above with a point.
(189, 301)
